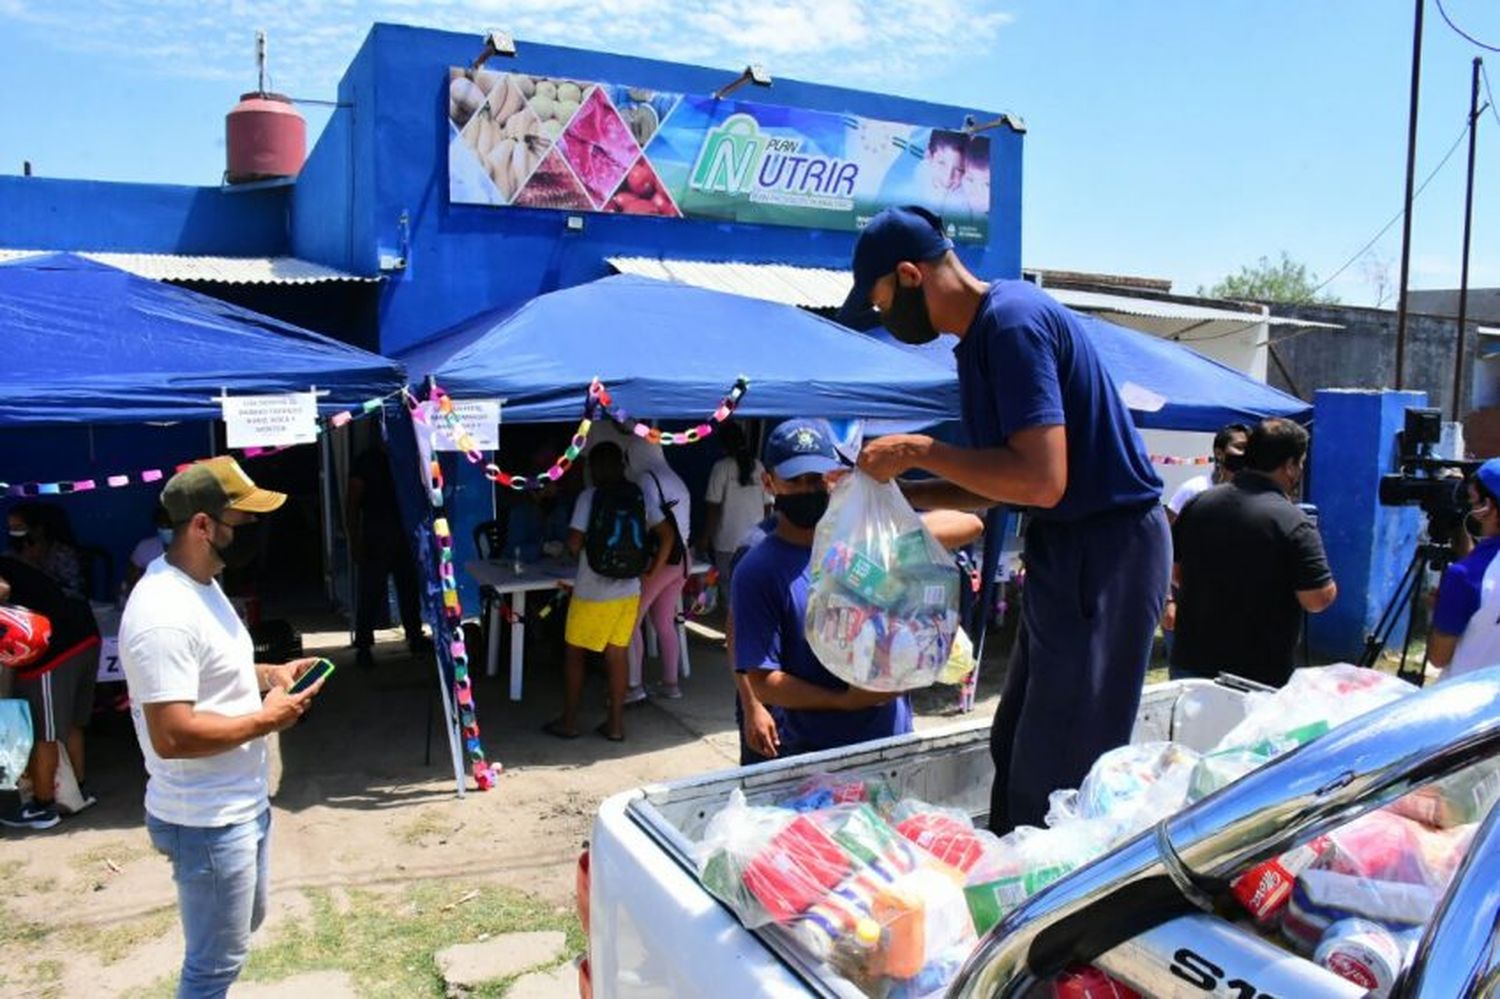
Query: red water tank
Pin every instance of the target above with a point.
(265, 137)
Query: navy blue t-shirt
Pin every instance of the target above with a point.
(1458, 596)
(769, 601)
(1026, 362)
(756, 535)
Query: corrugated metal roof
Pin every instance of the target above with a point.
(808, 287)
(825, 288)
(224, 270)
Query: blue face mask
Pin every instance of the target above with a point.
(164, 535)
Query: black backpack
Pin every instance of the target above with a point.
(617, 543)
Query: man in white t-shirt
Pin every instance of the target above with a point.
(602, 613)
(1229, 458)
(196, 701)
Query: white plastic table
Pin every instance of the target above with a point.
(543, 575)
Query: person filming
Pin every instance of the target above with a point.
(1466, 619)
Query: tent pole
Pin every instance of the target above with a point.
(325, 482)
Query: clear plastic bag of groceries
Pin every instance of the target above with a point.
(882, 609)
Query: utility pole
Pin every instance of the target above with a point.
(1411, 169)
(1463, 279)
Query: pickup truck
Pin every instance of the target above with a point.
(1142, 912)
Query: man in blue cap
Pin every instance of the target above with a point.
(1049, 433)
(1466, 619)
(768, 601)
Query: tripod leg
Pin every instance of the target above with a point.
(1411, 624)
(1376, 642)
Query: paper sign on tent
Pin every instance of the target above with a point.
(271, 420)
(481, 418)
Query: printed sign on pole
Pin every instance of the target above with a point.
(481, 418)
(271, 420)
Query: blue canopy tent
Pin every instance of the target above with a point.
(666, 351)
(104, 346)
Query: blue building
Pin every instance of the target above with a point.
(378, 242)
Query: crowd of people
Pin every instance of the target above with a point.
(1228, 567)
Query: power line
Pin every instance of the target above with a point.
(1484, 45)
(1484, 74)
(1397, 217)
(1348, 263)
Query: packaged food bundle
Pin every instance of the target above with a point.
(1088, 982)
(882, 609)
(1366, 953)
(828, 790)
(1136, 785)
(1323, 697)
(767, 863)
(1465, 797)
(1384, 846)
(1322, 898)
(1033, 859)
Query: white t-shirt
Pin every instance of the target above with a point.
(1188, 491)
(180, 640)
(740, 507)
(1479, 645)
(146, 551)
(590, 585)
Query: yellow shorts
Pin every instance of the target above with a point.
(593, 624)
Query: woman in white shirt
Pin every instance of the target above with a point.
(736, 500)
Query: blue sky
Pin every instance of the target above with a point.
(1167, 138)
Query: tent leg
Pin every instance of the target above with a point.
(455, 750)
(325, 488)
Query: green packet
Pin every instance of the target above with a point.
(994, 900)
(866, 835)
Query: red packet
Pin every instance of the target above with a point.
(796, 869)
(946, 838)
(1088, 982)
(1266, 888)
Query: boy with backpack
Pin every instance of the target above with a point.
(622, 538)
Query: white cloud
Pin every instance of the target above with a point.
(851, 42)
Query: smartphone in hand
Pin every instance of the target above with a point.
(315, 672)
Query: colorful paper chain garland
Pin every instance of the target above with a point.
(598, 401)
(463, 690)
(151, 475)
(1167, 459)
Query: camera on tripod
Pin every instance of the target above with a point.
(1439, 486)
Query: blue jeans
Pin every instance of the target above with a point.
(221, 875)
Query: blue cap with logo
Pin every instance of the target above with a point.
(909, 233)
(1489, 475)
(797, 447)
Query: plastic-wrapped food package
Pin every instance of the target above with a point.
(1265, 889)
(827, 790)
(768, 864)
(1465, 797)
(947, 834)
(882, 608)
(1384, 846)
(1136, 785)
(1033, 859)
(1323, 695)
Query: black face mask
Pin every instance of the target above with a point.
(804, 510)
(242, 548)
(1233, 463)
(907, 318)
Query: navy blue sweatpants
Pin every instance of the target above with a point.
(1093, 596)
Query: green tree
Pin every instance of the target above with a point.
(1272, 281)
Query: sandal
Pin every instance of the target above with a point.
(554, 728)
(603, 730)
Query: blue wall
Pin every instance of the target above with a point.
(1368, 545)
(45, 214)
(386, 153)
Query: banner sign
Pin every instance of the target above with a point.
(481, 418)
(271, 420)
(570, 145)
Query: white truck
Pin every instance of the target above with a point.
(1142, 912)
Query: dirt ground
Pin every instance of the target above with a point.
(89, 909)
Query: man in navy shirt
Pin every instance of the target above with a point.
(1466, 620)
(768, 600)
(1049, 433)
